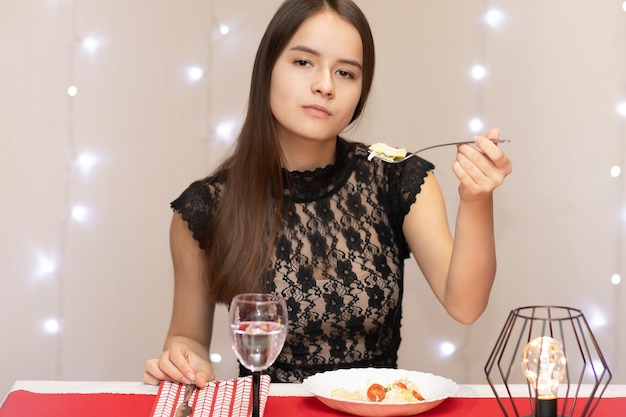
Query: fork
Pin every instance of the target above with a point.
(465, 142)
(185, 409)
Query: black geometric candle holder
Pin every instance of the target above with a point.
(585, 378)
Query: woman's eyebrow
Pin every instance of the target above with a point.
(314, 52)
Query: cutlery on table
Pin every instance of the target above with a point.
(185, 409)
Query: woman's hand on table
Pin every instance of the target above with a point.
(179, 364)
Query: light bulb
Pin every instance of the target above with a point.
(51, 326)
(544, 364)
(447, 348)
(80, 213)
(616, 279)
(195, 73)
(91, 44)
(225, 131)
(476, 125)
(616, 171)
(478, 72)
(494, 18)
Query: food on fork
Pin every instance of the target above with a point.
(386, 153)
(399, 391)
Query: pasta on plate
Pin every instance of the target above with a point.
(399, 391)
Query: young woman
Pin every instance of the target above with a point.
(299, 211)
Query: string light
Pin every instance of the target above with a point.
(72, 90)
(621, 109)
(86, 161)
(46, 266)
(476, 125)
(478, 72)
(616, 171)
(494, 18)
(225, 131)
(91, 44)
(195, 73)
(222, 132)
(597, 319)
(447, 349)
(51, 326)
(80, 213)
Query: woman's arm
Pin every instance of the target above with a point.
(460, 270)
(185, 356)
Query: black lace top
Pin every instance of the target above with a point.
(338, 259)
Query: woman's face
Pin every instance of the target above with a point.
(316, 81)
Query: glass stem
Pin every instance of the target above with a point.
(256, 385)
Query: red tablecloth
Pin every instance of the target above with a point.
(28, 404)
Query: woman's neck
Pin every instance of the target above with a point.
(308, 155)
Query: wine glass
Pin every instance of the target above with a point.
(258, 327)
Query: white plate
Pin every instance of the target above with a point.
(434, 388)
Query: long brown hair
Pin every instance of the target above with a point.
(241, 233)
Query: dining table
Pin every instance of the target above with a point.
(49, 398)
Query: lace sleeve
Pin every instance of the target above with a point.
(411, 178)
(405, 183)
(195, 204)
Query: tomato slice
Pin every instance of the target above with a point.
(376, 393)
(418, 396)
(400, 385)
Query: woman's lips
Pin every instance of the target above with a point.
(318, 111)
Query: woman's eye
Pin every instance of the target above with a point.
(301, 62)
(344, 74)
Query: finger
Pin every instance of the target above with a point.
(459, 172)
(153, 373)
(203, 378)
(478, 175)
(468, 187)
(150, 379)
(169, 371)
(493, 133)
(205, 375)
(180, 359)
(480, 169)
(486, 144)
(204, 372)
(467, 170)
(494, 153)
(478, 162)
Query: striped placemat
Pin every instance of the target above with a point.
(230, 397)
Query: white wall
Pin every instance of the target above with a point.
(556, 75)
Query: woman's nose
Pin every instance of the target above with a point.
(323, 85)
